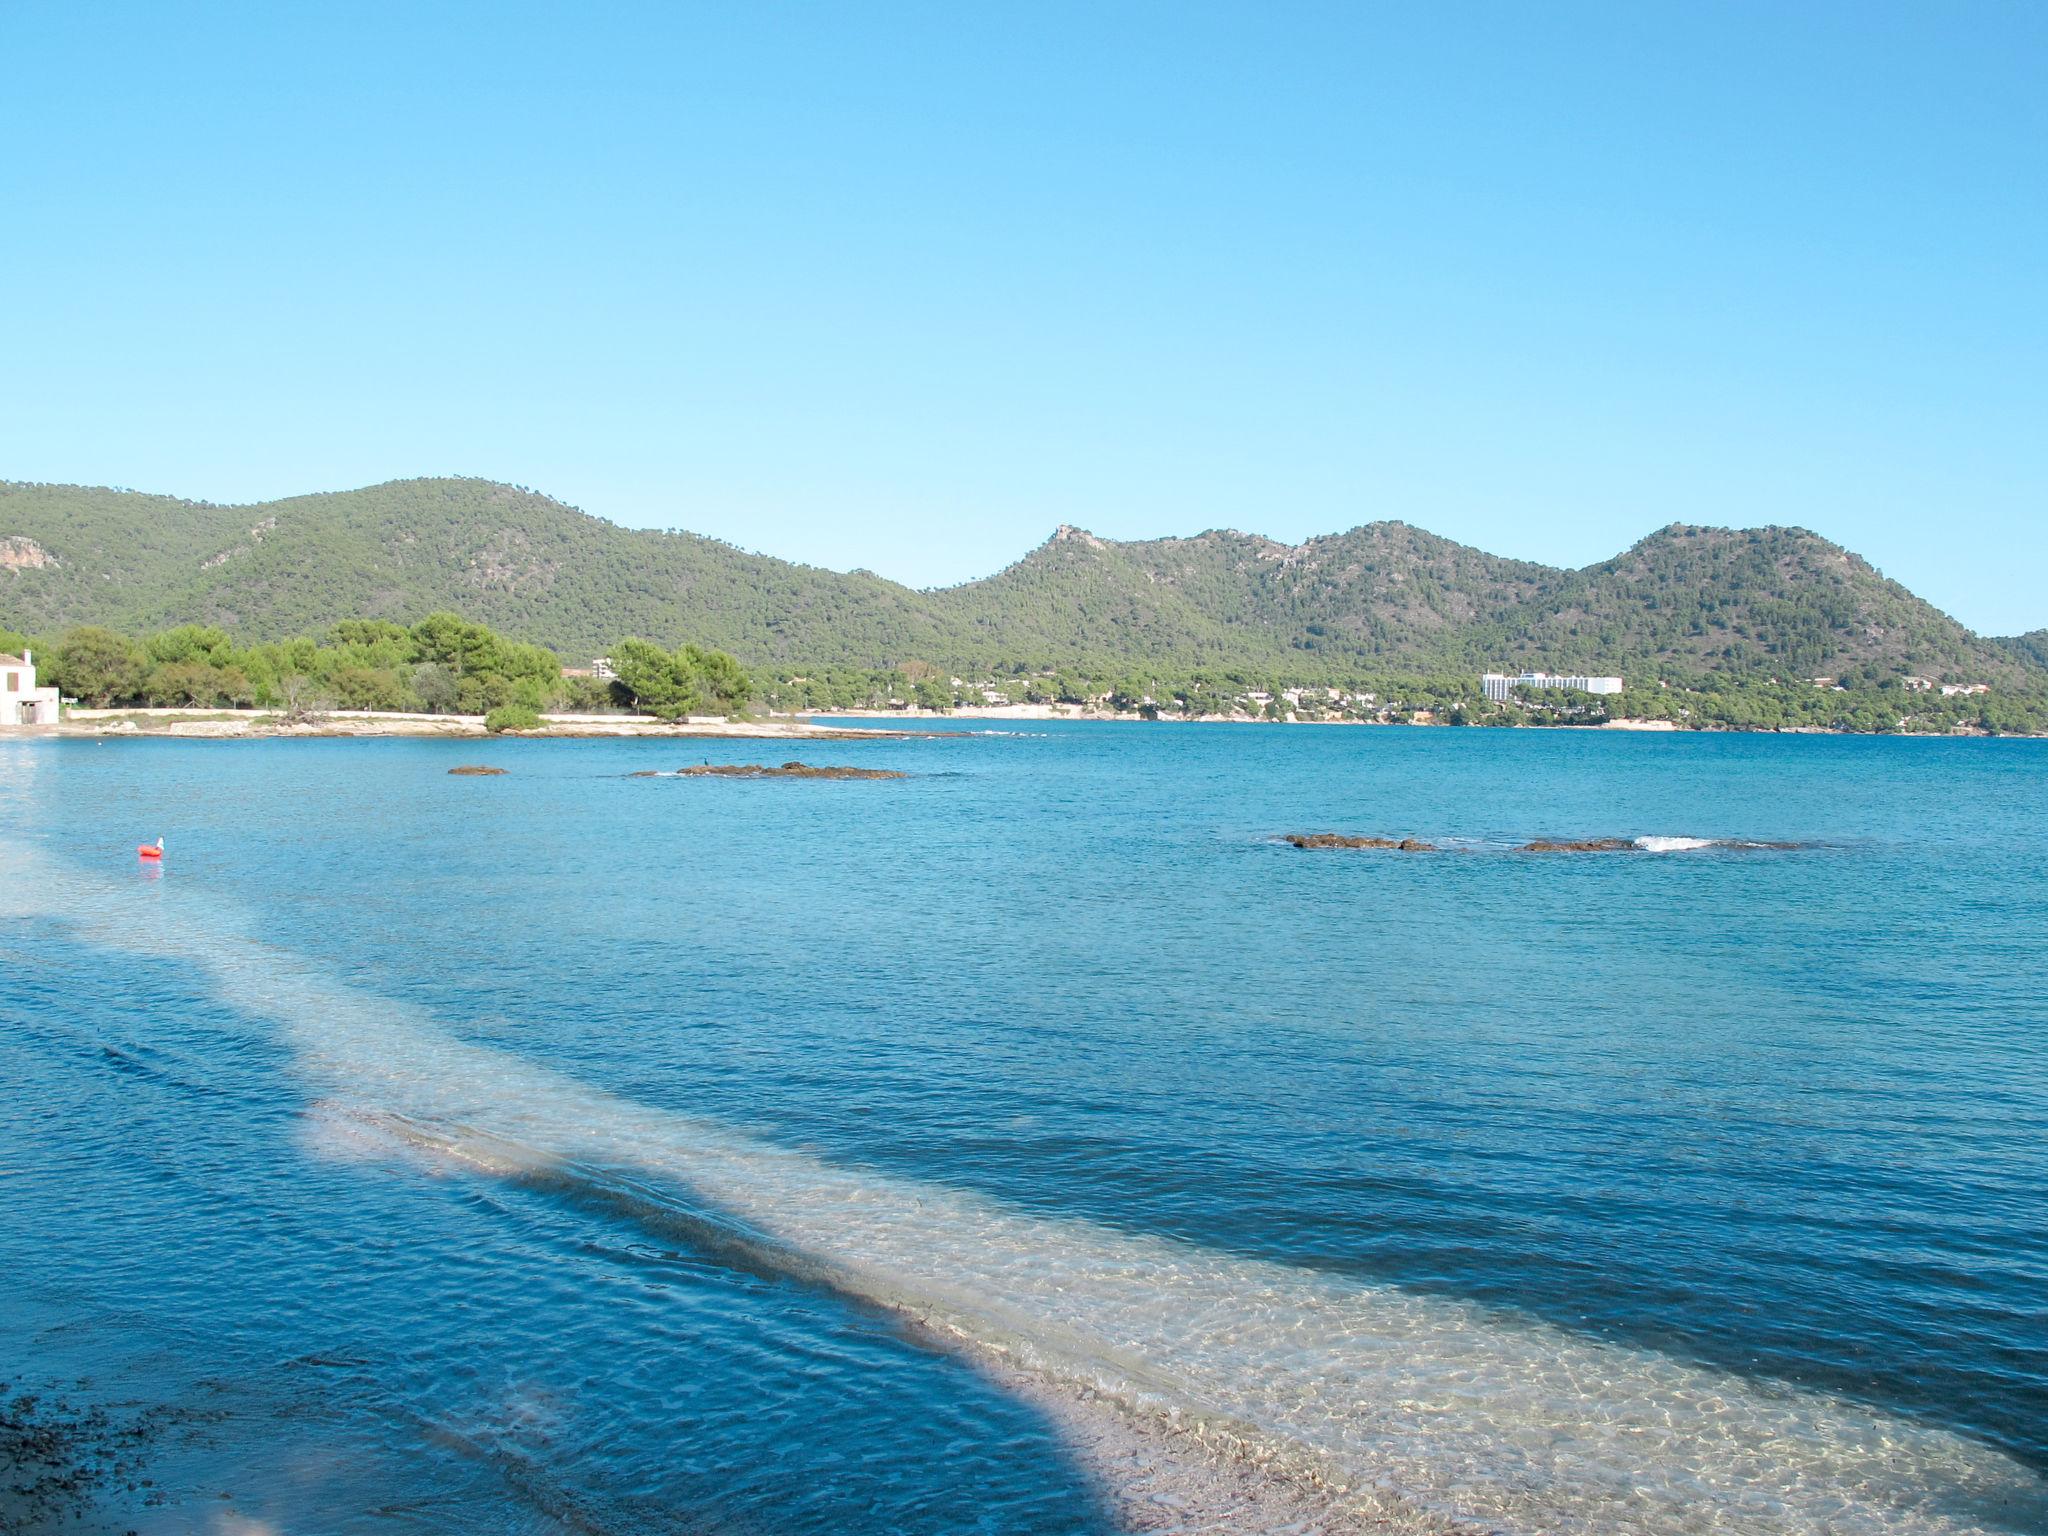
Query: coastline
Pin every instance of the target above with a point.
(1052, 712)
(232, 725)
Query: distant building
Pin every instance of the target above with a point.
(1916, 684)
(1950, 690)
(601, 669)
(1499, 685)
(21, 701)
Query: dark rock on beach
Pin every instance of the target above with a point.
(57, 1460)
(1581, 845)
(476, 771)
(1338, 840)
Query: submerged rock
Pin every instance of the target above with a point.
(476, 770)
(1582, 845)
(786, 771)
(1338, 840)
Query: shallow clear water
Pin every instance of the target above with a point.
(567, 1150)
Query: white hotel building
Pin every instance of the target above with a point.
(1499, 684)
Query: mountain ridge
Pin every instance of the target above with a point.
(1381, 597)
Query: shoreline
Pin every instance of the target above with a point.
(1040, 713)
(247, 725)
(901, 724)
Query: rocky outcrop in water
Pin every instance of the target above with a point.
(762, 771)
(476, 771)
(1338, 840)
(1581, 845)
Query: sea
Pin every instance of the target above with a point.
(1035, 1143)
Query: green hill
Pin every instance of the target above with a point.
(1779, 600)
(2031, 648)
(1381, 598)
(1381, 595)
(522, 563)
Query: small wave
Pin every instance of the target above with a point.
(1736, 844)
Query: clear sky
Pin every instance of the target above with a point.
(904, 286)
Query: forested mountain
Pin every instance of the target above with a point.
(2032, 647)
(1378, 595)
(1379, 598)
(1759, 599)
(522, 563)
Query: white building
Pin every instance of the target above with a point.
(21, 701)
(1498, 685)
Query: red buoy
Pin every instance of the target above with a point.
(153, 850)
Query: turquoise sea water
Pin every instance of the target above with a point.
(571, 1151)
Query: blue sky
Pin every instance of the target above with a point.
(905, 286)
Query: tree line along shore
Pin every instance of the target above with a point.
(443, 665)
(448, 665)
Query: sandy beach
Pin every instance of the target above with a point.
(237, 724)
(1062, 712)
(247, 724)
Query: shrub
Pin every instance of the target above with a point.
(512, 717)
